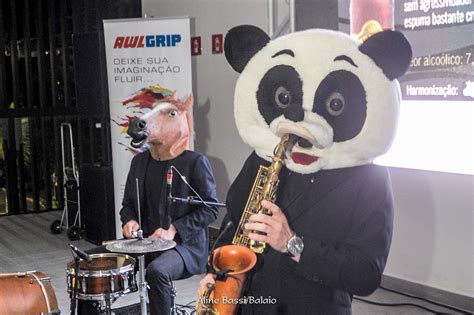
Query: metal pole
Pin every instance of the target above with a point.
(138, 207)
(141, 260)
(63, 156)
(270, 17)
(292, 16)
(143, 285)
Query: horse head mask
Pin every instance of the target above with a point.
(167, 125)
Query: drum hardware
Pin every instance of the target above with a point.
(40, 279)
(16, 274)
(141, 261)
(24, 274)
(75, 284)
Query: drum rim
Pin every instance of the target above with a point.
(105, 272)
(104, 296)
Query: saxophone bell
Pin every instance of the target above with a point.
(231, 264)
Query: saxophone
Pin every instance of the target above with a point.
(232, 262)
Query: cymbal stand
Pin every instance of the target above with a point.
(143, 285)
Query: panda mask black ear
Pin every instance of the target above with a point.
(390, 50)
(242, 43)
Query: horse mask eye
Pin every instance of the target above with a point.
(173, 113)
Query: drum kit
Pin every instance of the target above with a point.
(109, 276)
(105, 277)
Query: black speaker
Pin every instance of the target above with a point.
(90, 66)
(97, 203)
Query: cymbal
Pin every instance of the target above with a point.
(140, 246)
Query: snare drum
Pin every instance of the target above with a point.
(107, 276)
(27, 293)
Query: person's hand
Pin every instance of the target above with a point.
(205, 282)
(130, 227)
(168, 234)
(276, 230)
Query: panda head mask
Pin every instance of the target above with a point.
(339, 96)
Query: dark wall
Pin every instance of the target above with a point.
(52, 70)
(316, 14)
(36, 95)
(89, 50)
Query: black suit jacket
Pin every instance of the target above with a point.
(191, 222)
(345, 217)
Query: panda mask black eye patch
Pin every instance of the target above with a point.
(341, 99)
(280, 92)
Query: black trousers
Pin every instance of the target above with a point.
(160, 272)
(161, 269)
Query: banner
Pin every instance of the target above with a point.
(438, 88)
(147, 59)
(440, 32)
(441, 68)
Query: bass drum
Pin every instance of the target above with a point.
(27, 293)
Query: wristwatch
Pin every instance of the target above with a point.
(295, 245)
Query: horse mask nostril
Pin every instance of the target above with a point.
(141, 124)
(137, 129)
(137, 125)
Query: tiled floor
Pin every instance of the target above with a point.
(27, 244)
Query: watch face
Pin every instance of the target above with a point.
(295, 246)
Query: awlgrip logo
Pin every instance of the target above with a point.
(148, 41)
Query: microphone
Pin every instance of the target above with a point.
(169, 182)
(82, 254)
(227, 227)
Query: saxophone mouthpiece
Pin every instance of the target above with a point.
(292, 140)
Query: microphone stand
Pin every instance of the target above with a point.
(78, 255)
(73, 304)
(141, 262)
(192, 200)
(196, 202)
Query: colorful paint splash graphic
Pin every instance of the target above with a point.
(146, 97)
(139, 101)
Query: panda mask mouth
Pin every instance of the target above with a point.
(301, 151)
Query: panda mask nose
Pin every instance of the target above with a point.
(294, 113)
